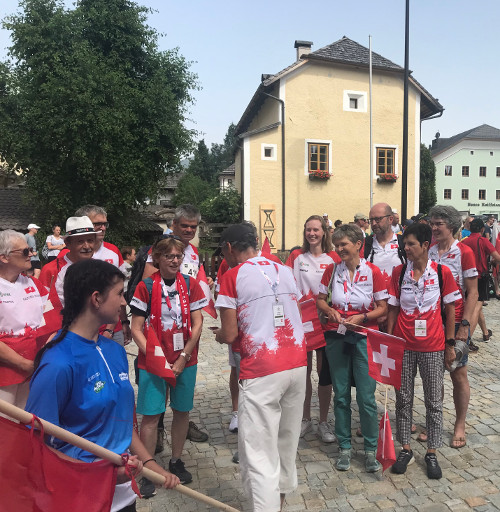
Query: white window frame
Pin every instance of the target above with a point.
(274, 150)
(362, 98)
(396, 158)
(306, 154)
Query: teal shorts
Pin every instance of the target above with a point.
(152, 392)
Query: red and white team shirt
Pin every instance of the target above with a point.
(461, 261)
(421, 301)
(385, 258)
(52, 276)
(308, 269)
(170, 315)
(111, 254)
(190, 264)
(224, 267)
(265, 349)
(21, 305)
(354, 297)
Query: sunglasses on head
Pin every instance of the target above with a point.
(175, 237)
(25, 252)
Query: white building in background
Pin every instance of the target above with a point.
(468, 170)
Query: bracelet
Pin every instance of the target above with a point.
(127, 321)
(365, 318)
(108, 330)
(149, 460)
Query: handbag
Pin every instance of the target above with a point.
(490, 285)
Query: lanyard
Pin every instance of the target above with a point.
(416, 289)
(176, 315)
(347, 292)
(274, 286)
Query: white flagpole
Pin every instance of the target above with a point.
(371, 135)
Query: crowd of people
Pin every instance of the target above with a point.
(425, 281)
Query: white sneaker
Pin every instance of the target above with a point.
(305, 427)
(233, 424)
(325, 433)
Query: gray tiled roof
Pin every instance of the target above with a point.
(14, 213)
(483, 132)
(349, 51)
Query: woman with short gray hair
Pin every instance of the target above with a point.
(449, 214)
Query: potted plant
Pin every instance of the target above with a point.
(387, 178)
(319, 175)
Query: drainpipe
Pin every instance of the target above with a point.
(282, 167)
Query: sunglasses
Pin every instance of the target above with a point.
(25, 252)
(101, 224)
(175, 237)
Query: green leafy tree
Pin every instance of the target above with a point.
(225, 207)
(193, 190)
(427, 180)
(100, 110)
(223, 154)
(201, 164)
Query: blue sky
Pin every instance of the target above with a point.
(453, 50)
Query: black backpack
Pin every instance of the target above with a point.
(369, 254)
(137, 272)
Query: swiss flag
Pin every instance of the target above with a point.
(386, 454)
(385, 357)
(315, 337)
(156, 362)
(203, 282)
(52, 319)
(266, 247)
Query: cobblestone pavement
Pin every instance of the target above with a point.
(471, 475)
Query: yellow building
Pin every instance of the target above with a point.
(305, 140)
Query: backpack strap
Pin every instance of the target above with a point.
(329, 296)
(401, 277)
(401, 249)
(368, 248)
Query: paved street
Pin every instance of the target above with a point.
(471, 476)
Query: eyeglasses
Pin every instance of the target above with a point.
(378, 219)
(26, 252)
(101, 224)
(172, 257)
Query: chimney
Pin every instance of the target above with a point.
(303, 48)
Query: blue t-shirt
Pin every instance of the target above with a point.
(83, 387)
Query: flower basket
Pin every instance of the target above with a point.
(319, 175)
(386, 178)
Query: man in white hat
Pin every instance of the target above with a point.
(80, 240)
(35, 259)
(361, 220)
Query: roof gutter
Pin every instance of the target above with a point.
(282, 167)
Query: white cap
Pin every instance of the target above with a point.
(325, 215)
(394, 210)
(33, 226)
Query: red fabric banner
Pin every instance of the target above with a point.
(315, 337)
(35, 479)
(266, 247)
(203, 282)
(156, 362)
(386, 454)
(385, 357)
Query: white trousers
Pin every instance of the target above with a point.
(269, 420)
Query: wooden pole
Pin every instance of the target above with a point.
(68, 437)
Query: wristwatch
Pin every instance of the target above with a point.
(465, 323)
(187, 357)
(451, 342)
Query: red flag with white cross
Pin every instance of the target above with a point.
(386, 454)
(385, 357)
(156, 362)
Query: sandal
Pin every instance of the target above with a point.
(486, 337)
(413, 428)
(358, 432)
(458, 442)
(473, 348)
(422, 437)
